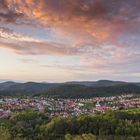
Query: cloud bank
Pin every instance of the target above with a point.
(103, 33)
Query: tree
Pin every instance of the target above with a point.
(4, 134)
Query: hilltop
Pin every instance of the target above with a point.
(71, 89)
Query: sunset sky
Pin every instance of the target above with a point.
(66, 40)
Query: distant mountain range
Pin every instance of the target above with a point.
(70, 89)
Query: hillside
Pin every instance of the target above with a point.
(100, 83)
(74, 91)
(83, 89)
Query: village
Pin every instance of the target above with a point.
(67, 107)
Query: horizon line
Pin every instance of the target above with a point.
(34, 81)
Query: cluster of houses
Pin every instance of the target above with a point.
(67, 107)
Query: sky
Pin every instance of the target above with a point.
(68, 40)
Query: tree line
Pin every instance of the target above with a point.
(112, 125)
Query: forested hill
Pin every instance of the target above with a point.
(80, 91)
(70, 89)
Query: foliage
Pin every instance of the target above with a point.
(31, 125)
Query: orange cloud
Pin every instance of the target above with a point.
(97, 19)
(66, 14)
